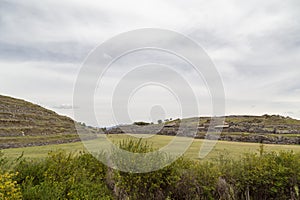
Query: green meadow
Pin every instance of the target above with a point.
(231, 149)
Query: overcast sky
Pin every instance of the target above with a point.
(255, 46)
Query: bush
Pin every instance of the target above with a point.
(152, 185)
(141, 123)
(8, 187)
(266, 176)
(63, 176)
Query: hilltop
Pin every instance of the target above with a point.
(26, 124)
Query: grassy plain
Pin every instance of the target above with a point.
(232, 149)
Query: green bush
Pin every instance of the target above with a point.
(9, 189)
(65, 176)
(152, 185)
(141, 123)
(266, 176)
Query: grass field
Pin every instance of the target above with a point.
(232, 149)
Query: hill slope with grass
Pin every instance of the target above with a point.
(26, 124)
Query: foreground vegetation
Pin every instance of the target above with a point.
(62, 175)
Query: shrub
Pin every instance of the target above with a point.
(152, 185)
(141, 123)
(266, 176)
(63, 176)
(9, 189)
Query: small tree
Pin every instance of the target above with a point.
(159, 121)
(141, 123)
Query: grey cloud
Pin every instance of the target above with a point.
(254, 44)
(52, 52)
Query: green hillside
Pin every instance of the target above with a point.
(26, 124)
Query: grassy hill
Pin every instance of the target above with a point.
(26, 124)
(270, 129)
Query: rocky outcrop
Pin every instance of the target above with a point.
(254, 139)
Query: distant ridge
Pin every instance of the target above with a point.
(271, 129)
